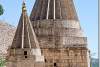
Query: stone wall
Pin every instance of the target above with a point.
(62, 42)
(68, 57)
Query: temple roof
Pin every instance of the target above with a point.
(25, 36)
(53, 9)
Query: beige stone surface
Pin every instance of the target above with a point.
(7, 32)
(59, 34)
(25, 50)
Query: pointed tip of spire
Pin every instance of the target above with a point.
(23, 2)
(23, 6)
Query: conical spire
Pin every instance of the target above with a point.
(54, 9)
(25, 36)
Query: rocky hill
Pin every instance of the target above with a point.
(6, 36)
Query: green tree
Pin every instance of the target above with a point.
(1, 9)
(2, 62)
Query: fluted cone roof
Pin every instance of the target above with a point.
(24, 36)
(54, 9)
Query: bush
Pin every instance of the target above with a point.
(2, 62)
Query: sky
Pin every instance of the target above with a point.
(87, 11)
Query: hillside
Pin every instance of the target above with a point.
(6, 36)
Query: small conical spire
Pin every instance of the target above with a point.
(25, 36)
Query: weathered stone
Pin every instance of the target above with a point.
(59, 33)
(25, 50)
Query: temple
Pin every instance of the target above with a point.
(59, 33)
(50, 37)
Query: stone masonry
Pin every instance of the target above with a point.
(59, 33)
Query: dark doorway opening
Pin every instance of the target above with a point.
(45, 60)
(55, 65)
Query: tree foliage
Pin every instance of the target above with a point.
(2, 62)
(1, 9)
